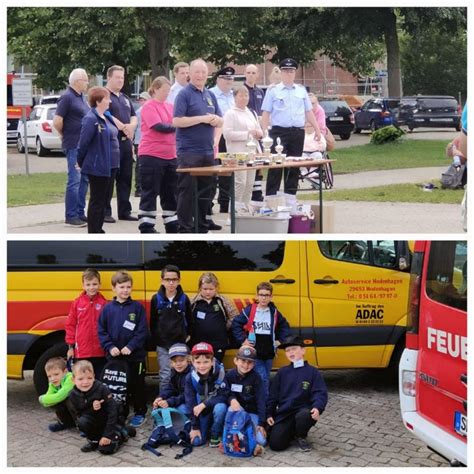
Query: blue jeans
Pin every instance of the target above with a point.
(76, 187)
(183, 409)
(259, 436)
(263, 368)
(215, 420)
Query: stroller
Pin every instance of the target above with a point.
(317, 177)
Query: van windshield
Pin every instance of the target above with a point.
(438, 104)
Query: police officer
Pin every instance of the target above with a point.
(225, 98)
(121, 108)
(289, 107)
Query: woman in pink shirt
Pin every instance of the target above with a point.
(157, 160)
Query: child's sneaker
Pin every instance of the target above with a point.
(90, 446)
(214, 442)
(259, 450)
(303, 445)
(54, 427)
(137, 420)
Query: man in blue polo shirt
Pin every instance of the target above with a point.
(289, 106)
(70, 110)
(196, 116)
(122, 109)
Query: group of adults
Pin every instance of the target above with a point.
(183, 125)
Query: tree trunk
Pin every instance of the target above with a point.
(158, 47)
(393, 55)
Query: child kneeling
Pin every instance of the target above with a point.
(206, 396)
(96, 411)
(247, 392)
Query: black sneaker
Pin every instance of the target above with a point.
(129, 217)
(90, 446)
(213, 226)
(83, 218)
(303, 445)
(76, 222)
(54, 427)
(109, 220)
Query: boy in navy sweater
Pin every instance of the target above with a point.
(123, 331)
(172, 393)
(298, 396)
(246, 392)
(206, 396)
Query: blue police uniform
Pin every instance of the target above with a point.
(195, 148)
(256, 96)
(72, 107)
(287, 106)
(121, 107)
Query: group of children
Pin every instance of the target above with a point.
(191, 337)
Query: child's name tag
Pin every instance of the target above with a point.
(298, 363)
(201, 315)
(129, 325)
(236, 388)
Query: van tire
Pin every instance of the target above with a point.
(40, 379)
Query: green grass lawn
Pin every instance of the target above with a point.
(393, 193)
(404, 154)
(48, 188)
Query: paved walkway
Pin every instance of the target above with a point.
(343, 216)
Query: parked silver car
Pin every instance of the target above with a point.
(40, 132)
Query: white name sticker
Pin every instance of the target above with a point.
(201, 315)
(298, 363)
(236, 388)
(129, 325)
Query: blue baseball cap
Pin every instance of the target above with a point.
(178, 350)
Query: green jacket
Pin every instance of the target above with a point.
(56, 395)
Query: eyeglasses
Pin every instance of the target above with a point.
(171, 280)
(264, 295)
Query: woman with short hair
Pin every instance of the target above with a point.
(98, 155)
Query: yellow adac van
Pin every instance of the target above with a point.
(348, 299)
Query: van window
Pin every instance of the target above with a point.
(60, 254)
(446, 280)
(438, 103)
(379, 253)
(213, 256)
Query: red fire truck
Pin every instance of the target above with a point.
(433, 367)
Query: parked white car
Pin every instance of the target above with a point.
(39, 128)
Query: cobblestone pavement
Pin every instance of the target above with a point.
(361, 427)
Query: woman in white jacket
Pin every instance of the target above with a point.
(239, 123)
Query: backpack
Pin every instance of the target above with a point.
(115, 377)
(163, 303)
(170, 427)
(238, 439)
(452, 178)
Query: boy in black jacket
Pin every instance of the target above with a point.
(298, 396)
(95, 409)
(172, 393)
(123, 331)
(246, 392)
(262, 326)
(170, 318)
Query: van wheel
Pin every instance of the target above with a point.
(356, 130)
(345, 136)
(372, 126)
(39, 375)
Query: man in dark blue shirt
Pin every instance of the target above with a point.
(255, 93)
(196, 116)
(70, 110)
(122, 109)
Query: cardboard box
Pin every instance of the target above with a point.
(328, 218)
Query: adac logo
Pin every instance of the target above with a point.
(305, 385)
(132, 316)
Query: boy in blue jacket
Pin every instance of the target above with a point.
(246, 392)
(298, 397)
(206, 396)
(263, 327)
(123, 331)
(172, 393)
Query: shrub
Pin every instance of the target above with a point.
(386, 135)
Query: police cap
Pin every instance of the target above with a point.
(288, 63)
(226, 73)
